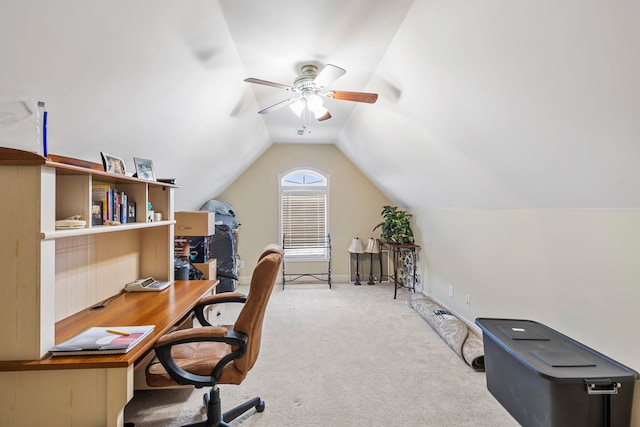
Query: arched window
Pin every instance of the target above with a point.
(304, 222)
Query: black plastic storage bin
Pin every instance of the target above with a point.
(544, 378)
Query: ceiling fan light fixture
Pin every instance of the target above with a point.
(314, 103)
(320, 112)
(298, 107)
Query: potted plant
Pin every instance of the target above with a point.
(396, 227)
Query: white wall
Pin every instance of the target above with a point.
(576, 271)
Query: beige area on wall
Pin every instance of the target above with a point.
(575, 270)
(354, 202)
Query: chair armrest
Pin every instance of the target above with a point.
(223, 297)
(208, 333)
(216, 299)
(183, 336)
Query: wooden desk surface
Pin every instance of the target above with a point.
(162, 309)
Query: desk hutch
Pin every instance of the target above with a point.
(52, 277)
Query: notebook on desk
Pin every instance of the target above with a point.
(99, 340)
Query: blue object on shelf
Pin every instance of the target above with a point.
(44, 134)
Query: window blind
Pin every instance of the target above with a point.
(304, 224)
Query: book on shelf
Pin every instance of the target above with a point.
(100, 340)
(123, 200)
(100, 193)
(114, 203)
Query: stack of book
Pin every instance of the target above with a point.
(116, 206)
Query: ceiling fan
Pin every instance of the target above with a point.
(311, 87)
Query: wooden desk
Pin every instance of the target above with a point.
(92, 390)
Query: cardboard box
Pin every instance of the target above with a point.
(195, 223)
(192, 248)
(209, 269)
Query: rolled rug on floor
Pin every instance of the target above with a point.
(453, 331)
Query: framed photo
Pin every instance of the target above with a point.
(144, 169)
(96, 213)
(131, 211)
(113, 164)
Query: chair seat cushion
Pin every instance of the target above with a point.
(198, 358)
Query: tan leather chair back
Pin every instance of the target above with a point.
(251, 317)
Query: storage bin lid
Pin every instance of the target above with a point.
(550, 353)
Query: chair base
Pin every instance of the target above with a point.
(214, 416)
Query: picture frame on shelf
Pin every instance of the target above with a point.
(113, 164)
(131, 211)
(96, 213)
(144, 169)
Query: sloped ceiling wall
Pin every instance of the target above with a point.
(506, 105)
(152, 79)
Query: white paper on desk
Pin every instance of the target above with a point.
(20, 121)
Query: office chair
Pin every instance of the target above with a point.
(213, 355)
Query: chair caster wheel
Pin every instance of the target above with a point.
(205, 400)
(260, 406)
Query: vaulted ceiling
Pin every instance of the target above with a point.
(490, 104)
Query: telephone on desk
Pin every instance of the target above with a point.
(148, 284)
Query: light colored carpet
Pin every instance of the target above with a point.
(349, 356)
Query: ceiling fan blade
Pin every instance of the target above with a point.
(328, 74)
(279, 105)
(369, 98)
(326, 116)
(267, 83)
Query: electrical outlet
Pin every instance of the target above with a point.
(467, 300)
(450, 291)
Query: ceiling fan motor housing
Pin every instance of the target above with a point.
(305, 80)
